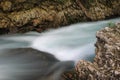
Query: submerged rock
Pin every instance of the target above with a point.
(31, 64)
(106, 65)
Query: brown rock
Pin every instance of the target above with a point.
(106, 65)
(38, 15)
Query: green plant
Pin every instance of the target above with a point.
(111, 24)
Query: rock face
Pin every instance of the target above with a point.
(106, 65)
(18, 16)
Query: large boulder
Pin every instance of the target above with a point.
(106, 65)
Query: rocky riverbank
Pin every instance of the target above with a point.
(20, 16)
(106, 65)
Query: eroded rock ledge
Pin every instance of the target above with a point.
(106, 65)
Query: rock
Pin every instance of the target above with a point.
(19, 16)
(6, 6)
(106, 65)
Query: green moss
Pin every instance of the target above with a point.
(111, 24)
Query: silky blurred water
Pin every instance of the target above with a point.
(70, 43)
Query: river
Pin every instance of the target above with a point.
(69, 43)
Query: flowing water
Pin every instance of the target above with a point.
(70, 43)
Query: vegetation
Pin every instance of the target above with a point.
(111, 24)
